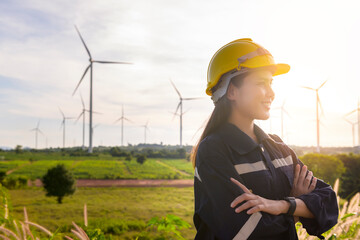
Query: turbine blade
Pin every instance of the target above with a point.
(174, 114)
(322, 84)
(287, 113)
(83, 41)
(113, 62)
(117, 120)
(175, 88)
(322, 124)
(79, 117)
(61, 112)
(82, 101)
(308, 88)
(192, 98)
(186, 111)
(322, 110)
(38, 124)
(348, 120)
(350, 112)
(177, 108)
(81, 78)
(128, 119)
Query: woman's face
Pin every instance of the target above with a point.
(254, 95)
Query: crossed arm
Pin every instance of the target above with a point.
(254, 203)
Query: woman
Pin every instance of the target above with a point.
(249, 184)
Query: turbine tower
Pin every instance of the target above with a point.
(358, 119)
(318, 103)
(122, 118)
(180, 105)
(92, 130)
(37, 130)
(83, 115)
(283, 110)
(90, 66)
(146, 128)
(353, 124)
(63, 125)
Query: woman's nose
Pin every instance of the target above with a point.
(270, 92)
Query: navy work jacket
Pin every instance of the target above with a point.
(267, 168)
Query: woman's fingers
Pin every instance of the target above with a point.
(313, 184)
(242, 186)
(296, 174)
(302, 175)
(246, 205)
(255, 209)
(241, 198)
(308, 179)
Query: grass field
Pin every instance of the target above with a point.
(102, 167)
(121, 212)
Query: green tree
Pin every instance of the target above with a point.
(326, 167)
(350, 180)
(18, 149)
(128, 157)
(59, 182)
(141, 158)
(2, 176)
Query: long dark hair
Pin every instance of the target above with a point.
(219, 115)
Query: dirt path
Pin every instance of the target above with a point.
(126, 183)
(14, 169)
(173, 168)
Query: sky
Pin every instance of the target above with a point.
(42, 60)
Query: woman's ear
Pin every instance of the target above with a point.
(231, 91)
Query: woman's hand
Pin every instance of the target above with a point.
(257, 203)
(301, 184)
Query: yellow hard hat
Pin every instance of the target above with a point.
(237, 54)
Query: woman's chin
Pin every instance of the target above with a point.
(264, 116)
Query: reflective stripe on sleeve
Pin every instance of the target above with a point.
(248, 227)
(250, 167)
(282, 162)
(197, 174)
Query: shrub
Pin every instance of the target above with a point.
(59, 182)
(141, 158)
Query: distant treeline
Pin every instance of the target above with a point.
(147, 150)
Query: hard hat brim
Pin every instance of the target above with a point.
(281, 68)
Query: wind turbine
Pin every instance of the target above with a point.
(122, 118)
(358, 119)
(318, 103)
(83, 115)
(180, 105)
(353, 124)
(63, 125)
(37, 129)
(146, 128)
(90, 66)
(283, 110)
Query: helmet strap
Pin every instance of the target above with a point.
(258, 52)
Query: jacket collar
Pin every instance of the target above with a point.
(239, 140)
